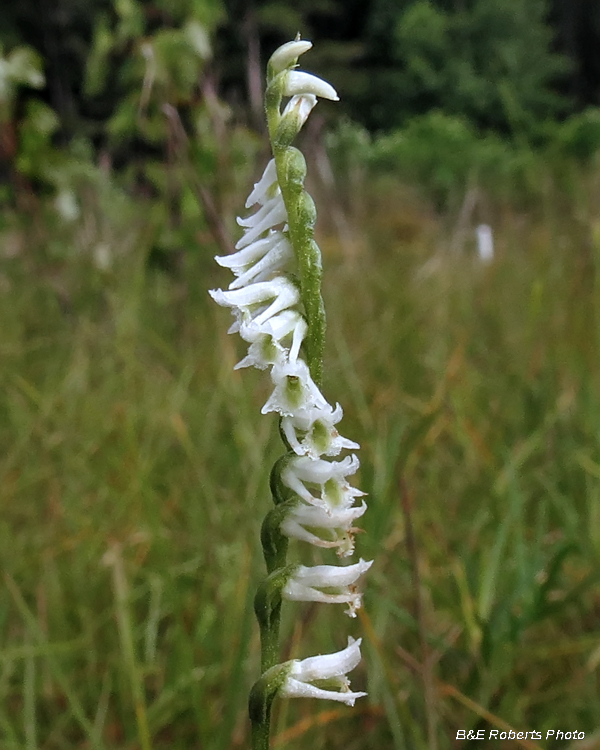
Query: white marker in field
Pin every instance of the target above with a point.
(485, 243)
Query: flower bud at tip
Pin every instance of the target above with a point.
(288, 54)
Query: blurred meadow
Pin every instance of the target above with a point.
(134, 461)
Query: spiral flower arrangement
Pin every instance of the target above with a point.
(278, 309)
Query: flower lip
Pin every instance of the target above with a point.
(294, 389)
(318, 433)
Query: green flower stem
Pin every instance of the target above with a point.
(267, 606)
(291, 172)
(262, 694)
(261, 730)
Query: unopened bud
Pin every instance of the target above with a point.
(287, 55)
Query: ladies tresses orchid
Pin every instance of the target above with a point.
(317, 432)
(323, 527)
(265, 340)
(329, 475)
(331, 669)
(295, 390)
(276, 302)
(307, 584)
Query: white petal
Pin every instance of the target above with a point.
(238, 262)
(258, 216)
(316, 517)
(320, 471)
(336, 526)
(300, 330)
(287, 296)
(296, 592)
(283, 292)
(275, 260)
(253, 294)
(299, 82)
(306, 585)
(276, 215)
(261, 188)
(279, 326)
(263, 353)
(288, 53)
(331, 576)
(326, 666)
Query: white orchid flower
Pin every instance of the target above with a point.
(318, 435)
(330, 669)
(266, 187)
(268, 216)
(298, 83)
(240, 262)
(276, 259)
(330, 476)
(281, 290)
(322, 527)
(307, 584)
(265, 340)
(297, 111)
(294, 389)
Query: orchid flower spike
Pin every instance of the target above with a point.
(278, 311)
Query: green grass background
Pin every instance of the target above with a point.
(133, 479)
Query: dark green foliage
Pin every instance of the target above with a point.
(489, 61)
